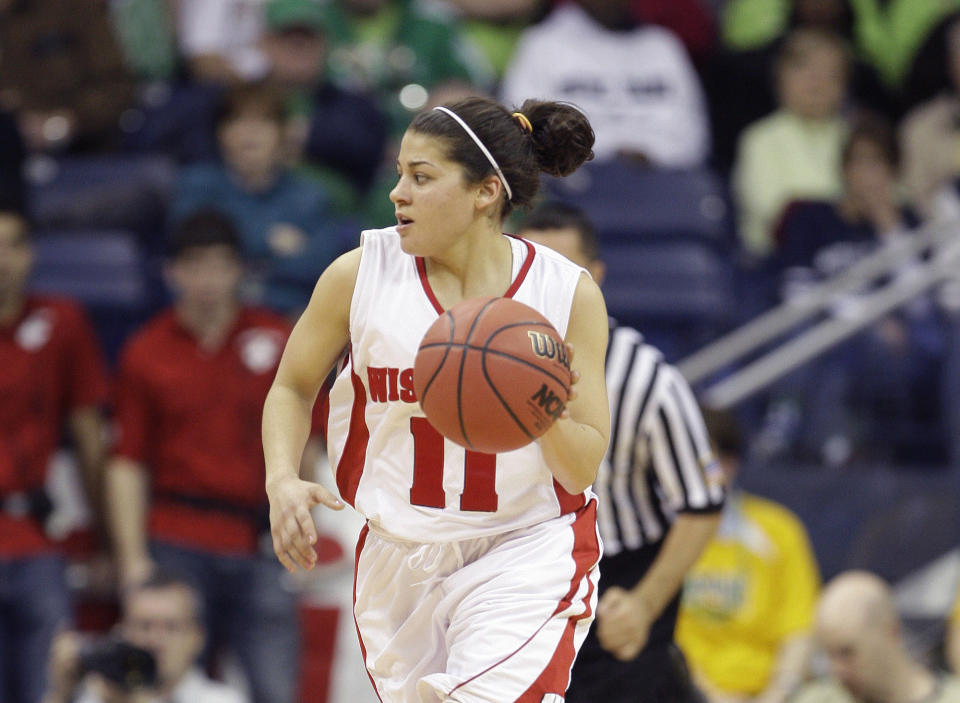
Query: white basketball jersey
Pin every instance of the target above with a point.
(390, 463)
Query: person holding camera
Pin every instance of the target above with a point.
(150, 658)
(52, 378)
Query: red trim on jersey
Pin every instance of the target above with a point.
(350, 466)
(569, 502)
(425, 282)
(324, 411)
(323, 400)
(511, 291)
(555, 677)
(522, 273)
(361, 540)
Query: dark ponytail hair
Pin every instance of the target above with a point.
(561, 139)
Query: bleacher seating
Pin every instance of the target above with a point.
(174, 119)
(665, 237)
(627, 201)
(680, 294)
(102, 192)
(105, 270)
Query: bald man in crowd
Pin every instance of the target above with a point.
(859, 630)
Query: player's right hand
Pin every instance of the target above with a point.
(291, 524)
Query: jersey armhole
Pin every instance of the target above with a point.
(355, 299)
(573, 297)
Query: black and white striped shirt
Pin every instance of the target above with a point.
(659, 462)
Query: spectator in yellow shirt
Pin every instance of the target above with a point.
(748, 602)
(794, 152)
(953, 638)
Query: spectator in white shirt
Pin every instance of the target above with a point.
(635, 83)
(220, 39)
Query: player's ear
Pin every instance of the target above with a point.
(489, 192)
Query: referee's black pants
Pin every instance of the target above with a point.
(658, 675)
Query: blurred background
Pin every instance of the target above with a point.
(774, 190)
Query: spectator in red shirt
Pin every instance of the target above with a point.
(51, 375)
(186, 484)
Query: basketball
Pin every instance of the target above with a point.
(492, 374)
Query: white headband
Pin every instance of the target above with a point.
(486, 152)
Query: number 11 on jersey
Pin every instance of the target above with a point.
(479, 472)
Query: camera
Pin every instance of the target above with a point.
(119, 662)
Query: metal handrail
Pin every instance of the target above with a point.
(786, 316)
(942, 239)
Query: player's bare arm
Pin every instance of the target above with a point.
(315, 344)
(575, 445)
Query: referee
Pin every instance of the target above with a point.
(661, 495)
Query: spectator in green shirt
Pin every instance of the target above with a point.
(400, 50)
(887, 33)
(335, 135)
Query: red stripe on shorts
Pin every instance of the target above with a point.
(586, 551)
(350, 466)
(556, 675)
(361, 540)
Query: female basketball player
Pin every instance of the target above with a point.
(476, 573)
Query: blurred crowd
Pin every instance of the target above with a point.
(174, 174)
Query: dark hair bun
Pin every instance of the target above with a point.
(562, 136)
(560, 140)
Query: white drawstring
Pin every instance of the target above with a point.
(428, 558)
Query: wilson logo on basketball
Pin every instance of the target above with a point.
(546, 347)
(548, 401)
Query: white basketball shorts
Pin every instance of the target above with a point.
(492, 620)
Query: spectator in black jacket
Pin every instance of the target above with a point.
(338, 132)
(876, 393)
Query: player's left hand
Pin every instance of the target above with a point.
(291, 523)
(623, 623)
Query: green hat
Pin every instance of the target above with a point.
(286, 14)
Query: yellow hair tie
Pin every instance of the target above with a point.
(524, 122)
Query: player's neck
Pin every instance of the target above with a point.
(479, 264)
